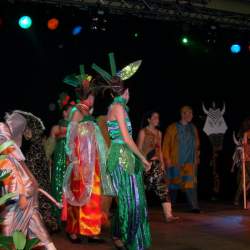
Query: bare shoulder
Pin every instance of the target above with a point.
(77, 115)
(117, 107)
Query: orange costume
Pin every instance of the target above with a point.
(86, 178)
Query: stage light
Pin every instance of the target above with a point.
(77, 30)
(53, 23)
(249, 47)
(235, 48)
(25, 22)
(136, 35)
(184, 40)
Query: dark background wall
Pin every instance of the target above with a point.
(33, 63)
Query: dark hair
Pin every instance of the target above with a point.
(147, 116)
(117, 85)
(83, 93)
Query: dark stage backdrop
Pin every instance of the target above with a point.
(33, 63)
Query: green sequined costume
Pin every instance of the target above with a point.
(59, 168)
(130, 222)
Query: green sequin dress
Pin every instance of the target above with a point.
(130, 222)
(59, 168)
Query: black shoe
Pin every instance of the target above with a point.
(74, 241)
(195, 211)
(96, 240)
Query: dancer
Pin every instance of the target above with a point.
(130, 227)
(56, 154)
(244, 143)
(149, 143)
(21, 213)
(38, 165)
(181, 156)
(86, 178)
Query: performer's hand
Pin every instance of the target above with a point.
(59, 205)
(147, 164)
(163, 166)
(23, 202)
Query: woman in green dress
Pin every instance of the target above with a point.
(56, 152)
(126, 165)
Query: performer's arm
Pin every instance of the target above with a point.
(71, 136)
(161, 155)
(120, 117)
(51, 142)
(140, 139)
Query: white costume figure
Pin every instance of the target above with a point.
(215, 123)
(215, 127)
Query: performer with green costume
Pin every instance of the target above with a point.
(55, 149)
(130, 229)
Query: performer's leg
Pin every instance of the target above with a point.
(159, 186)
(130, 222)
(239, 188)
(38, 230)
(191, 195)
(106, 205)
(173, 195)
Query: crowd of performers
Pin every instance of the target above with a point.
(96, 162)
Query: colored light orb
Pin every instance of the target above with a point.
(235, 48)
(77, 30)
(185, 40)
(25, 22)
(53, 23)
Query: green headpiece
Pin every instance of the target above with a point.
(124, 74)
(77, 81)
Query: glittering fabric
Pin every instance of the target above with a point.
(58, 172)
(130, 222)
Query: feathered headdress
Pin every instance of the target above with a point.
(79, 81)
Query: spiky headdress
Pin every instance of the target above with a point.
(124, 74)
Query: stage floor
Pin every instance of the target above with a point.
(221, 227)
